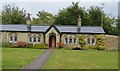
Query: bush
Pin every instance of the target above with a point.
(85, 47)
(29, 45)
(100, 47)
(82, 42)
(7, 44)
(100, 40)
(60, 45)
(92, 47)
(40, 46)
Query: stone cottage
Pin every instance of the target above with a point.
(50, 35)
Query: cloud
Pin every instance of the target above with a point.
(59, 0)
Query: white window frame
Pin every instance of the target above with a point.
(70, 40)
(10, 36)
(89, 40)
(93, 37)
(39, 38)
(34, 37)
(15, 37)
(65, 40)
(75, 42)
(29, 39)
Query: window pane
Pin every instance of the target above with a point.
(34, 39)
(66, 40)
(11, 38)
(15, 38)
(70, 40)
(74, 40)
(30, 39)
(38, 39)
(93, 40)
(88, 40)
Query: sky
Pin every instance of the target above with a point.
(33, 6)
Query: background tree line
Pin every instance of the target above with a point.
(94, 16)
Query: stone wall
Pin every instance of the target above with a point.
(52, 30)
(111, 42)
(21, 36)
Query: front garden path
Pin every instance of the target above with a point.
(38, 63)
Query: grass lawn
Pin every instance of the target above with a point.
(16, 58)
(81, 59)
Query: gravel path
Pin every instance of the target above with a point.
(38, 63)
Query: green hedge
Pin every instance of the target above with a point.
(29, 45)
(40, 46)
(83, 42)
(7, 44)
(100, 42)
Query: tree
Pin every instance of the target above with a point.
(69, 15)
(11, 14)
(44, 18)
(96, 15)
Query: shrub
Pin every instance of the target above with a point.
(92, 47)
(60, 45)
(7, 44)
(85, 47)
(82, 42)
(40, 46)
(100, 40)
(100, 47)
(29, 45)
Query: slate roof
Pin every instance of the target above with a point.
(62, 29)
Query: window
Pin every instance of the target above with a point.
(75, 42)
(34, 38)
(93, 40)
(11, 38)
(38, 38)
(70, 40)
(29, 38)
(65, 40)
(15, 38)
(88, 39)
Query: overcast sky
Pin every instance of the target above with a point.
(33, 6)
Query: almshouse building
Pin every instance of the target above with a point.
(50, 35)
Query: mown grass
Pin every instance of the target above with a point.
(16, 58)
(82, 59)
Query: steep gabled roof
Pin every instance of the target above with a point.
(53, 27)
(61, 29)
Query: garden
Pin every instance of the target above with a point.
(82, 59)
(16, 56)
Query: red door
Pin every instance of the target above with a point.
(52, 41)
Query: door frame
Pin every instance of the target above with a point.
(51, 36)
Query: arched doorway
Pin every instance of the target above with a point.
(52, 41)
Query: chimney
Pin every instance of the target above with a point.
(79, 24)
(28, 22)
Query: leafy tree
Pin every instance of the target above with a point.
(69, 15)
(95, 14)
(11, 14)
(44, 18)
